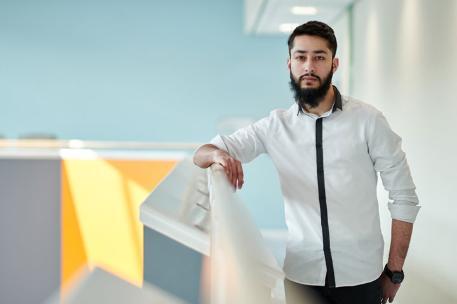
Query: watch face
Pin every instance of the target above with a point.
(397, 277)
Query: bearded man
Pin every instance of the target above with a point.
(328, 150)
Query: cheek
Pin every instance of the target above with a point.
(325, 69)
(295, 68)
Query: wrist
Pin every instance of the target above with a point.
(395, 276)
(216, 156)
(393, 267)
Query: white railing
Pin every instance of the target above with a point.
(200, 210)
(91, 144)
(243, 270)
(177, 208)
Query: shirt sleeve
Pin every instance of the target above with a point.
(390, 161)
(246, 143)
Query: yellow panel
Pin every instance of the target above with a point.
(106, 196)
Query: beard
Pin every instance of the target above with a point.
(310, 97)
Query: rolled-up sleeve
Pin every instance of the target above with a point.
(246, 143)
(390, 161)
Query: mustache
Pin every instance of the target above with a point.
(309, 75)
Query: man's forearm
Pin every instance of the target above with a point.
(399, 244)
(204, 156)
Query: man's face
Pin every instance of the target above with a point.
(311, 61)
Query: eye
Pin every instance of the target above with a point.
(301, 58)
(320, 57)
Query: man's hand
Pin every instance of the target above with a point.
(388, 289)
(209, 154)
(232, 167)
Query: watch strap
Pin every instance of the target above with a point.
(395, 276)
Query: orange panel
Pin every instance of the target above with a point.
(73, 254)
(106, 196)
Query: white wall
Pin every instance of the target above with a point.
(404, 63)
(342, 29)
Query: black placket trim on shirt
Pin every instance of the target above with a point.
(330, 276)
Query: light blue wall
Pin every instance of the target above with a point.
(141, 70)
(134, 70)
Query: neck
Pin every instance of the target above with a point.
(325, 105)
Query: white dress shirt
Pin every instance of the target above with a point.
(331, 207)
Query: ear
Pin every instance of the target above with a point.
(335, 64)
(288, 64)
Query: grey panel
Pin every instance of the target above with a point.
(29, 230)
(171, 266)
(91, 288)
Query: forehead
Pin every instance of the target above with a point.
(309, 43)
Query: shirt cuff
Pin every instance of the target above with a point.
(403, 211)
(219, 142)
(216, 141)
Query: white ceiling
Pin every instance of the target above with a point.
(265, 17)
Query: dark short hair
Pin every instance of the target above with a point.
(315, 28)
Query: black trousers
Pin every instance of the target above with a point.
(369, 293)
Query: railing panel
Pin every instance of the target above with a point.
(243, 270)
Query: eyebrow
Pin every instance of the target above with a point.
(314, 52)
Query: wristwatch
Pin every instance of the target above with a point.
(395, 276)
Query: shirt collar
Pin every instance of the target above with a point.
(338, 100)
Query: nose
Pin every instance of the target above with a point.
(308, 67)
